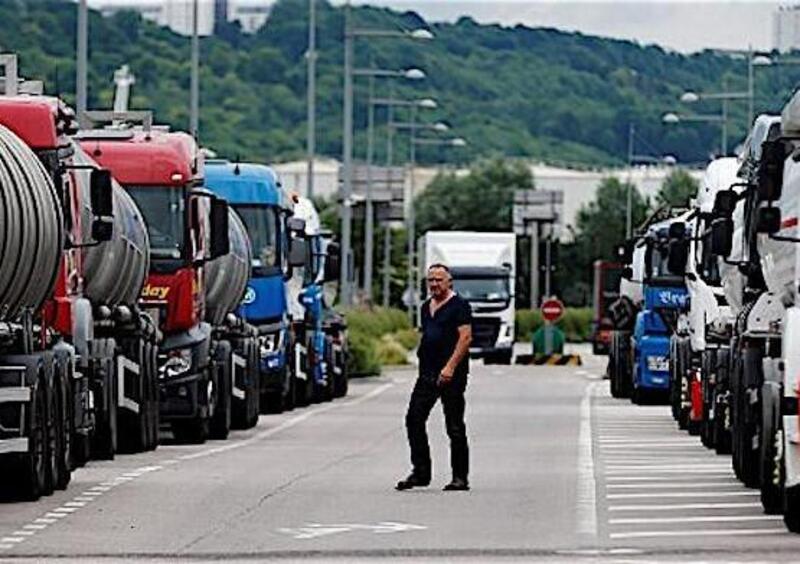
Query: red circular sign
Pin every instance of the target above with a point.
(552, 309)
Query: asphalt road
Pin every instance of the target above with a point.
(560, 472)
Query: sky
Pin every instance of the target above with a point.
(680, 25)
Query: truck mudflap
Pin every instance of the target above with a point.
(15, 390)
(127, 371)
(239, 366)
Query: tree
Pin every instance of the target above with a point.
(677, 188)
(480, 201)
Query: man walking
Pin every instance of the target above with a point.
(443, 366)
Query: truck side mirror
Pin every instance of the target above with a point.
(678, 255)
(298, 247)
(332, 262)
(627, 273)
(770, 170)
(101, 192)
(721, 236)
(768, 220)
(725, 203)
(677, 230)
(220, 237)
(296, 225)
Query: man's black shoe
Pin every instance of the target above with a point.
(457, 485)
(413, 481)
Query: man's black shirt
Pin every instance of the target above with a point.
(440, 336)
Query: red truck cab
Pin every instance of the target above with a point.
(607, 276)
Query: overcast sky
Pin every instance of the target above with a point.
(681, 25)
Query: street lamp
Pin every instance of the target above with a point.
(350, 34)
(671, 118)
(425, 103)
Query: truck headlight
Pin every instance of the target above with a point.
(658, 363)
(178, 362)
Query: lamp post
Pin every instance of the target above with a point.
(311, 97)
(194, 87)
(672, 118)
(82, 51)
(390, 103)
(350, 34)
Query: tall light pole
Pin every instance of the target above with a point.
(311, 112)
(194, 95)
(347, 137)
(82, 50)
(674, 118)
(628, 205)
(369, 219)
(390, 103)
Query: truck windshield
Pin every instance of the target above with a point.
(163, 210)
(482, 289)
(263, 228)
(657, 271)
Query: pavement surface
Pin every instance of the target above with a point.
(561, 472)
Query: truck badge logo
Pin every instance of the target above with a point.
(249, 296)
(157, 292)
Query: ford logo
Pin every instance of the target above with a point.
(249, 296)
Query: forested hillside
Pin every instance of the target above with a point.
(513, 91)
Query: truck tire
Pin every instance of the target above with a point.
(791, 508)
(245, 411)
(221, 417)
(684, 382)
(31, 467)
(722, 412)
(64, 421)
(752, 378)
(505, 357)
(674, 379)
(104, 437)
(708, 373)
(771, 466)
(197, 429)
(620, 377)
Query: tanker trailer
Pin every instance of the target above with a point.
(30, 373)
(235, 342)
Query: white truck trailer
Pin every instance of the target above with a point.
(483, 269)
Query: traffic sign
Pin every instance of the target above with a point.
(552, 310)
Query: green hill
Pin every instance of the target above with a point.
(516, 91)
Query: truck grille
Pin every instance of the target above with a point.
(484, 332)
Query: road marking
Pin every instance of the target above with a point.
(93, 494)
(682, 506)
(744, 493)
(719, 472)
(45, 520)
(668, 485)
(12, 539)
(34, 526)
(649, 467)
(24, 533)
(696, 533)
(698, 519)
(64, 509)
(75, 504)
(587, 487)
(315, 530)
(55, 515)
(671, 478)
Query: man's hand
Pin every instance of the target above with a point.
(445, 376)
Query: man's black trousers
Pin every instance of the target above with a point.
(423, 398)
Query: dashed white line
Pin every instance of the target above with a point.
(12, 539)
(587, 487)
(682, 506)
(743, 493)
(669, 485)
(34, 526)
(24, 533)
(696, 533)
(696, 519)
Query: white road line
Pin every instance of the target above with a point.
(101, 489)
(34, 526)
(75, 504)
(720, 472)
(744, 493)
(667, 485)
(65, 509)
(695, 533)
(688, 446)
(5, 546)
(12, 539)
(697, 519)
(587, 487)
(647, 467)
(45, 520)
(53, 515)
(682, 506)
(637, 478)
(93, 494)
(24, 533)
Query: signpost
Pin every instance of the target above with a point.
(552, 310)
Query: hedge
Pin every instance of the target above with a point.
(576, 324)
(378, 336)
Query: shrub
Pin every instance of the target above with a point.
(363, 358)
(409, 338)
(390, 351)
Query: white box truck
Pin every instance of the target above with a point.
(483, 269)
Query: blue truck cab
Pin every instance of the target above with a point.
(255, 193)
(321, 333)
(665, 296)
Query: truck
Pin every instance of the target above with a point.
(641, 364)
(320, 359)
(254, 191)
(200, 263)
(74, 257)
(699, 346)
(606, 285)
(483, 270)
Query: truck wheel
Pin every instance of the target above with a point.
(751, 410)
(771, 463)
(722, 411)
(791, 508)
(104, 438)
(708, 373)
(64, 419)
(221, 417)
(32, 466)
